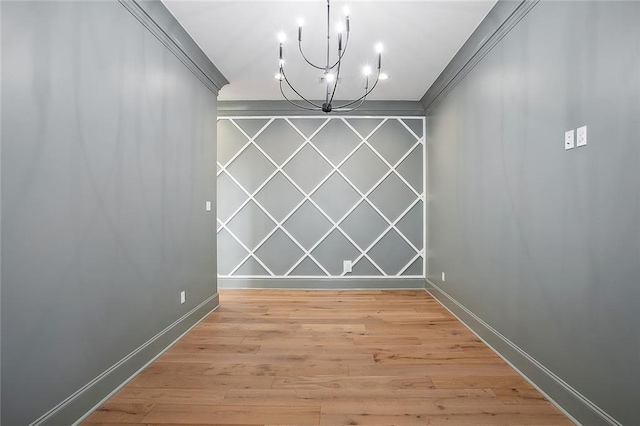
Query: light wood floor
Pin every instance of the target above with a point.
(329, 358)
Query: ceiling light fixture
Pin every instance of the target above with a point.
(330, 78)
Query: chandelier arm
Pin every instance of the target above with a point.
(335, 84)
(307, 60)
(328, 33)
(293, 103)
(362, 101)
(294, 89)
(366, 93)
(346, 44)
(351, 109)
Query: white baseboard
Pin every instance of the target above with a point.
(375, 283)
(572, 403)
(85, 400)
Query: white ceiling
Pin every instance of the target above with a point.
(420, 38)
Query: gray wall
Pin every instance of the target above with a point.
(337, 188)
(108, 156)
(541, 243)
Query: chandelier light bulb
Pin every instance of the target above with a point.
(366, 70)
(282, 37)
(329, 77)
(379, 48)
(278, 76)
(346, 10)
(339, 27)
(383, 76)
(300, 21)
(281, 62)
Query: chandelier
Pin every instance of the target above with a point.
(330, 70)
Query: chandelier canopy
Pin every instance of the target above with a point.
(330, 70)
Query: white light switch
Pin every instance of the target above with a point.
(581, 136)
(183, 297)
(347, 266)
(208, 206)
(443, 277)
(568, 139)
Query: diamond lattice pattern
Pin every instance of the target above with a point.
(298, 196)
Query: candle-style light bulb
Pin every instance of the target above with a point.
(282, 37)
(300, 24)
(346, 14)
(379, 49)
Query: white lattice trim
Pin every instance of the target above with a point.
(307, 196)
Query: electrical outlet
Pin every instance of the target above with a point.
(183, 297)
(568, 139)
(347, 266)
(581, 136)
(207, 206)
(443, 277)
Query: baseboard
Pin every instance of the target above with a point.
(568, 400)
(322, 283)
(78, 406)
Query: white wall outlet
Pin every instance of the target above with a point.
(581, 136)
(347, 266)
(443, 277)
(568, 139)
(207, 206)
(183, 297)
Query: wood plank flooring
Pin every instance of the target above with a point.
(328, 358)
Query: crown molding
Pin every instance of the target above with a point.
(154, 15)
(283, 108)
(499, 21)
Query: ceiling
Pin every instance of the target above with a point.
(240, 37)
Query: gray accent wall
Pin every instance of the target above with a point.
(108, 158)
(539, 243)
(299, 195)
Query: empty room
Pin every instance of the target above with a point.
(319, 212)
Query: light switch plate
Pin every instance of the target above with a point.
(581, 136)
(568, 140)
(183, 297)
(347, 266)
(207, 206)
